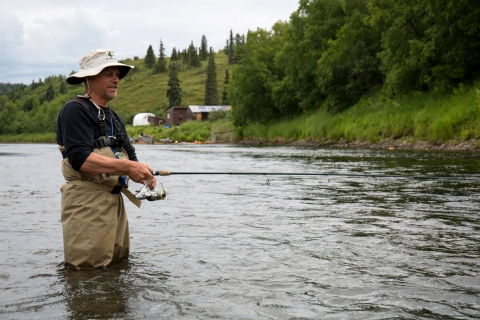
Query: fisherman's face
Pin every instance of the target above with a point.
(105, 84)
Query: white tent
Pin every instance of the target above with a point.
(141, 119)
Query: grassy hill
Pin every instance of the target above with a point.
(27, 115)
(142, 91)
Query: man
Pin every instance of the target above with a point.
(98, 161)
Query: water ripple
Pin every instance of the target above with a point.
(233, 247)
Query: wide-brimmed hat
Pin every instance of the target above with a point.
(94, 62)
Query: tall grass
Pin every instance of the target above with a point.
(48, 137)
(187, 132)
(432, 117)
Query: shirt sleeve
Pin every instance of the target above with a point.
(77, 132)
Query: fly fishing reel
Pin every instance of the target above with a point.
(151, 195)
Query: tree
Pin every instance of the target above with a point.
(350, 67)
(184, 56)
(161, 65)
(231, 48)
(253, 79)
(227, 47)
(427, 45)
(211, 91)
(305, 39)
(149, 58)
(174, 91)
(225, 101)
(203, 49)
(63, 87)
(50, 93)
(239, 40)
(193, 60)
(174, 56)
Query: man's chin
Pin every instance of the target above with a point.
(111, 96)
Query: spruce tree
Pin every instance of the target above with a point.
(226, 48)
(193, 60)
(63, 87)
(50, 93)
(203, 49)
(211, 92)
(231, 48)
(239, 43)
(191, 55)
(184, 56)
(174, 91)
(161, 65)
(196, 60)
(225, 101)
(174, 56)
(150, 58)
(238, 40)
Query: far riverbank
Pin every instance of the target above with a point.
(399, 144)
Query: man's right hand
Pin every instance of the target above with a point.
(140, 172)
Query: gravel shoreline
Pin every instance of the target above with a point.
(470, 145)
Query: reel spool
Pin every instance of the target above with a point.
(151, 195)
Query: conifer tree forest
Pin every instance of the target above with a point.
(329, 54)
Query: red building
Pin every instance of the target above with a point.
(177, 115)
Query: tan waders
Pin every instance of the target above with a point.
(94, 221)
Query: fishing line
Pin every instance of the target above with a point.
(160, 194)
(427, 177)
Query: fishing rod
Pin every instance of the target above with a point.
(169, 173)
(160, 194)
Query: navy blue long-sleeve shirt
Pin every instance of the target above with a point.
(77, 128)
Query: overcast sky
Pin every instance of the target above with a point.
(48, 37)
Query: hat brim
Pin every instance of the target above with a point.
(78, 77)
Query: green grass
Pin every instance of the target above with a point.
(29, 137)
(187, 132)
(431, 117)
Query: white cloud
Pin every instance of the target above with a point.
(43, 38)
(11, 36)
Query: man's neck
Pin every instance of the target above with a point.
(98, 101)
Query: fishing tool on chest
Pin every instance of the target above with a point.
(151, 194)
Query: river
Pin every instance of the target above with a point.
(235, 247)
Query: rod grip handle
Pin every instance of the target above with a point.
(161, 173)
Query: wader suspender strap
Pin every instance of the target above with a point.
(101, 122)
(92, 185)
(103, 141)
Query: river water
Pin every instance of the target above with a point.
(234, 247)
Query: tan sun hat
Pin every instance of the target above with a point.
(94, 62)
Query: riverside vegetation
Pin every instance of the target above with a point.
(353, 73)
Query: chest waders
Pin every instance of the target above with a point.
(94, 220)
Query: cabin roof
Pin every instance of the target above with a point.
(208, 109)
